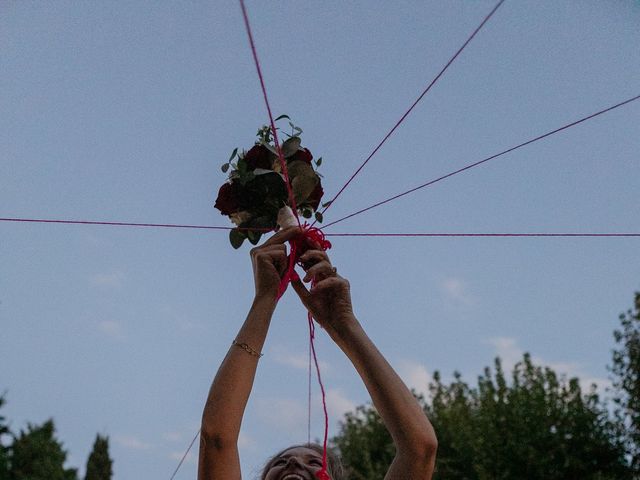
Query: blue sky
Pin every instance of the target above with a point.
(124, 111)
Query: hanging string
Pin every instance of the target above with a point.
(185, 455)
(406, 114)
(322, 474)
(468, 167)
(297, 243)
(309, 393)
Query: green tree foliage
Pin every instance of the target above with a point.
(37, 455)
(535, 426)
(626, 381)
(364, 444)
(99, 463)
(4, 451)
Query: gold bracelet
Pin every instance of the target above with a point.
(247, 349)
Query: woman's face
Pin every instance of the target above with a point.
(298, 463)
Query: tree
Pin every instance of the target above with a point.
(626, 381)
(4, 451)
(37, 455)
(541, 426)
(364, 444)
(535, 426)
(99, 463)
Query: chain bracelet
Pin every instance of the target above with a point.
(247, 349)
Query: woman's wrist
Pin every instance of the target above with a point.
(346, 329)
(265, 302)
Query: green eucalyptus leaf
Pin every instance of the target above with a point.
(253, 236)
(319, 162)
(325, 205)
(319, 217)
(242, 166)
(233, 154)
(263, 221)
(306, 213)
(225, 167)
(281, 117)
(236, 237)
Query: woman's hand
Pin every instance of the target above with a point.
(329, 299)
(270, 263)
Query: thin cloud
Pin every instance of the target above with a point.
(177, 456)
(108, 280)
(132, 443)
(284, 413)
(112, 329)
(414, 374)
(299, 361)
(338, 404)
(510, 352)
(245, 441)
(173, 436)
(456, 291)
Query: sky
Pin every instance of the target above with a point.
(125, 111)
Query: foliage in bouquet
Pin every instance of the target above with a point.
(256, 190)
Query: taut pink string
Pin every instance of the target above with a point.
(406, 114)
(308, 236)
(283, 163)
(473, 165)
(482, 235)
(342, 234)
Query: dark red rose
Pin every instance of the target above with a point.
(228, 200)
(304, 155)
(258, 157)
(316, 196)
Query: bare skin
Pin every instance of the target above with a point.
(329, 301)
(300, 461)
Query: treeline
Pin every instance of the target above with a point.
(36, 454)
(529, 424)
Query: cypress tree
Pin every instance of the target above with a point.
(4, 451)
(37, 455)
(99, 463)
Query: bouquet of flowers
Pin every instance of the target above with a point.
(255, 196)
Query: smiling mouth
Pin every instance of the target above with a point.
(292, 476)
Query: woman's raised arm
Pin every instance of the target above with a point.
(231, 387)
(329, 301)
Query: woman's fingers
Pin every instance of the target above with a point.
(310, 257)
(317, 265)
(275, 255)
(283, 236)
(320, 271)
